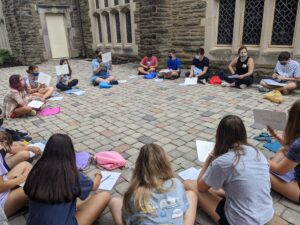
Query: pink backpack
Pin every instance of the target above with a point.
(110, 160)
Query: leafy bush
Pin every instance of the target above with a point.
(6, 59)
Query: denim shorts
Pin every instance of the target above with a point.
(105, 76)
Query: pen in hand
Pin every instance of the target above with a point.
(106, 178)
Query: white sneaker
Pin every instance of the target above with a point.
(262, 89)
(243, 86)
(225, 84)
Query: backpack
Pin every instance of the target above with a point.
(215, 80)
(151, 75)
(110, 160)
(82, 160)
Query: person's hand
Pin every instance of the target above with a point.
(98, 174)
(241, 77)
(101, 65)
(271, 131)
(275, 76)
(281, 78)
(35, 150)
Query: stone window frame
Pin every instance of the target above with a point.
(223, 52)
(122, 8)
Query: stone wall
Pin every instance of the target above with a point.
(28, 33)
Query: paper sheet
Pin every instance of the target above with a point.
(273, 82)
(165, 71)
(44, 79)
(108, 180)
(56, 99)
(133, 76)
(234, 76)
(122, 81)
(203, 149)
(264, 118)
(158, 80)
(79, 93)
(40, 145)
(62, 69)
(106, 57)
(190, 174)
(190, 81)
(36, 104)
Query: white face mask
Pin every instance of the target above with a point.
(244, 54)
(197, 56)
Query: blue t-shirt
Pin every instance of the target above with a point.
(104, 71)
(294, 155)
(58, 214)
(174, 64)
(168, 207)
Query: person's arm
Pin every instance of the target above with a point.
(231, 65)
(205, 69)
(33, 90)
(275, 135)
(110, 65)
(13, 182)
(192, 71)
(18, 98)
(142, 63)
(250, 69)
(179, 66)
(283, 166)
(97, 180)
(288, 78)
(201, 185)
(97, 70)
(156, 63)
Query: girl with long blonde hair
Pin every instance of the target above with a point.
(154, 195)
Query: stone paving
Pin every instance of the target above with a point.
(143, 111)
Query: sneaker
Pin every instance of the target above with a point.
(243, 86)
(225, 84)
(114, 82)
(262, 89)
(94, 83)
(32, 113)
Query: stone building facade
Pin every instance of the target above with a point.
(131, 28)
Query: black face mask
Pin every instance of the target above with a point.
(170, 57)
(283, 64)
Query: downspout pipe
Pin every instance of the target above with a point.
(83, 47)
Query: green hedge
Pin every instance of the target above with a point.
(7, 59)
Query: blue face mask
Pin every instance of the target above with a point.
(35, 74)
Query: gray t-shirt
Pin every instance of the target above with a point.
(247, 186)
(291, 69)
(168, 208)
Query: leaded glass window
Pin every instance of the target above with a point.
(97, 4)
(108, 29)
(118, 28)
(128, 27)
(116, 2)
(226, 21)
(106, 3)
(99, 28)
(127, 1)
(254, 11)
(284, 22)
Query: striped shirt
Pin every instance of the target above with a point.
(291, 69)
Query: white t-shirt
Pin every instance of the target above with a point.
(247, 186)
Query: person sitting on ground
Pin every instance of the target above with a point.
(33, 87)
(199, 68)
(173, 65)
(148, 64)
(16, 152)
(154, 195)
(288, 157)
(287, 71)
(65, 81)
(12, 197)
(54, 184)
(244, 67)
(101, 70)
(239, 169)
(15, 103)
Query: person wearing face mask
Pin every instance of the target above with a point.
(33, 87)
(65, 81)
(244, 67)
(148, 64)
(101, 71)
(287, 71)
(16, 100)
(199, 67)
(173, 65)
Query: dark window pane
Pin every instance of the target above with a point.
(127, 1)
(106, 3)
(99, 28)
(226, 20)
(108, 28)
(118, 28)
(254, 11)
(97, 4)
(128, 27)
(116, 2)
(284, 22)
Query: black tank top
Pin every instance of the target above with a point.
(242, 67)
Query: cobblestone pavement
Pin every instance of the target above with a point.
(140, 111)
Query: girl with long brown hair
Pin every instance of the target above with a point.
(154, 196)
(241, 171)
(288, 158)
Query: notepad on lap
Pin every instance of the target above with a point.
(203, 149)
(190, 174)
(44, 79)
(273, 82)
(288, 177)
(108, 180)
(35, 104)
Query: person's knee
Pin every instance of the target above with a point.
(24, 155)
(103, 196)
(291, 86)
(50, 89)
